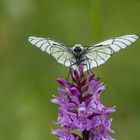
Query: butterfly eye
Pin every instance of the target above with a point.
(75, 49)
(79, 49)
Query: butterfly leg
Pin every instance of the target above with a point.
(89, 66)
(71, 64)
(69, 73)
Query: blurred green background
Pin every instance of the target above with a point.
(27, 75)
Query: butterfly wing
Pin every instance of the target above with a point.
(61, 53)
(99, 53)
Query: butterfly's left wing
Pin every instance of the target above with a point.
(99, 53)
(59, 51)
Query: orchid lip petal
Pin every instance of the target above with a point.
(74, 91)
(63, 82)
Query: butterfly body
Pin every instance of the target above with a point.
(78, 54)
(77, 50)
(90, 57)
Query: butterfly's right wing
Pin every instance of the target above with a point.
(61, 53)
(99, 53)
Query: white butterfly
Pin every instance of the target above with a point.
(90, 57)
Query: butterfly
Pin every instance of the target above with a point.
(91, 56)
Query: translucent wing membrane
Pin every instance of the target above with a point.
(61, 53)
(101, 52)
(92, 56)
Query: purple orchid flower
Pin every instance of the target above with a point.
(81, 114)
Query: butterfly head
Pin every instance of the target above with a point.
(77, 49)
